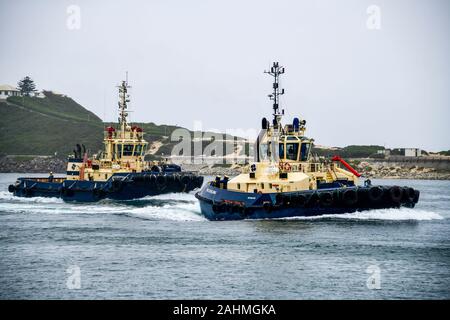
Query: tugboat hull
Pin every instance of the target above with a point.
(220, 204)
(118, 187)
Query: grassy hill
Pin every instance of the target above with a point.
(57, 106)
(43, 126)
(56, 123)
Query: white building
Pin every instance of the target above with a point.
(413, 152)
(38, 94)
(8, 91)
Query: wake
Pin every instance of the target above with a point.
(402, 214)
(179, 207)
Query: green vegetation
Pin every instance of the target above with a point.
(351, 151)
(26, 132)
(57, 106)
(445, 153)
(26, 86)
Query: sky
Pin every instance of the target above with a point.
(360, 72)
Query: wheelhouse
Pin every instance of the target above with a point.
(127, 149)
(294, 148)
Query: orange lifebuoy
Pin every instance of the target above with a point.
(287, 166)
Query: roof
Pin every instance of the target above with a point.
(7, 87)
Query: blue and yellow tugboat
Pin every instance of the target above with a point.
(119, 172)
(287, 181)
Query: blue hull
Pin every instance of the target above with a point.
(118, 187)
(222, 204)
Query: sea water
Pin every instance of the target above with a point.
(162, 248)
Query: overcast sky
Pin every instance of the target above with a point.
(204, 60)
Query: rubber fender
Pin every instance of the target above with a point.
(326, 199)
(376, 193)
(199, 181)
(185, 180)
(314, 200)
(161, 180)
(268, 207)
(395, 193)
(416, 196)
(409, 194)
(350, 197)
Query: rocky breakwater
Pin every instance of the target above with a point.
(214, 170)
(376, 170)
(26, 164)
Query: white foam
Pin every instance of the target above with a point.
(6, 196)
(402, 214)
(172, 196)
(177, 212)
(179, 207)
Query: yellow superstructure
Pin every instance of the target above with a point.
(283, 160)
(124, 150)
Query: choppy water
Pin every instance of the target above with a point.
(160, 247)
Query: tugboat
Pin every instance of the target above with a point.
(119, 172)
(287, 181)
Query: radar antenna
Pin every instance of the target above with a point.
(275, 71)
(124, 99)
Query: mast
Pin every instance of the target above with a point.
(124, 98)
(275, 71)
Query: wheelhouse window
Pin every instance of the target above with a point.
(263, 151)
(305, 151)
(138, 150)
(127, 150)
(119, 150)
(281, 150)
(291, 151)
